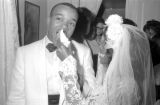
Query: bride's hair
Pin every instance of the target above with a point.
(130, 72)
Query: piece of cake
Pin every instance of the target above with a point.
(64, 39)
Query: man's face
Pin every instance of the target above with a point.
(64, 18)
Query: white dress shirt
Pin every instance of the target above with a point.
(52, 69)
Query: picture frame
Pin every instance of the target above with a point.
(31, 24)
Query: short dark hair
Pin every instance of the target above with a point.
(84, 24)
(66, 4)
(99, 20)
(154, 25)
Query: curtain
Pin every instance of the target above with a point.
(8, 44)
(141, 11)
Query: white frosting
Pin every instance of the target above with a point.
(64, 39)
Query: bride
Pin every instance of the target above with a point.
(128, 79)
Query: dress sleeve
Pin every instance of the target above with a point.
(68, 73)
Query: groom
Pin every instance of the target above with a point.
(35, 78)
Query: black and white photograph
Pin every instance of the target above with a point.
(79, 52)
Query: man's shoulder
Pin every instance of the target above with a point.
(32, 46)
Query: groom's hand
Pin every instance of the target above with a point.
(63, 52)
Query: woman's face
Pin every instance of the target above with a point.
(150, 33)
(99, 29)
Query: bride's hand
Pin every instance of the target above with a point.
(61, 75)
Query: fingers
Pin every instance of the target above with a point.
(60, 56)
(61, 74)
(59, 44)
(63, 52)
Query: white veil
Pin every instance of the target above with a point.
(129, 79)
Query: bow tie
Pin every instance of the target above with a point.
(51, 47)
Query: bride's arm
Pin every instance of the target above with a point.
(73, 95)
(68, 73)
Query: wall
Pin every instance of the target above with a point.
(151, 10)
(92, 5)
(141, 11)
(43, 17)
(113, 7)
(114, 3)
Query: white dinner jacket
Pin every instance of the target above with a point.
(29, 83)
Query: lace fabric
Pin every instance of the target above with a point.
(129, 77)
(71, 87)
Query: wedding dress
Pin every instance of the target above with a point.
(129, 78)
